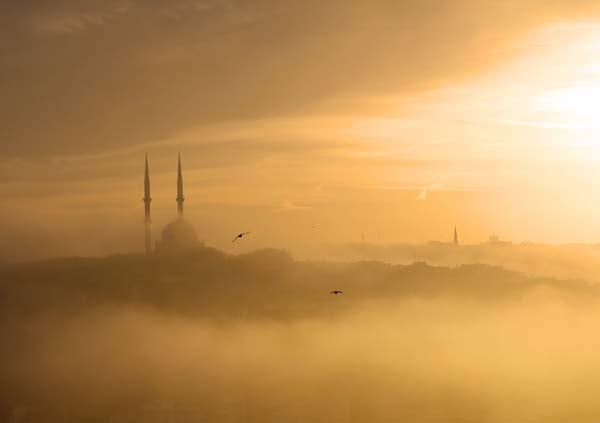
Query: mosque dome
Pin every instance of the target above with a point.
(179, 234)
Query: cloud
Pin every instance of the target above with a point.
(219, 64)
(68, 22)
(183, 8)
(289, 206)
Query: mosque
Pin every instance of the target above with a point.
(177, 234)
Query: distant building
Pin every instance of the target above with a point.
(455, 236)
(147, 200)
(178, 233)
(495, 239)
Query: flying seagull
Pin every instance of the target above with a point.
(335, 292)
(239, 236)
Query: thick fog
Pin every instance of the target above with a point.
(207, 336)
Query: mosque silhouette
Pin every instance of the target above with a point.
(177, 234)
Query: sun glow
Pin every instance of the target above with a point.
(564, 101)
(543, 105)
(576, 107)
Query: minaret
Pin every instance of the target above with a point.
(147, 200)
(455, 236)
(180, 199)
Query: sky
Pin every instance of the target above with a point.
(302, 122)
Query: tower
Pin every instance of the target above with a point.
(455, 236)
(147, 200)
(180, 199)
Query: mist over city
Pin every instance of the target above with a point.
(275, 211)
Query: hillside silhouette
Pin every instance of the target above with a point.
(267, 283)
(564, 261)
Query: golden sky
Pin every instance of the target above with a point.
(396, 119)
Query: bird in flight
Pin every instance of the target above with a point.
(240, 236)
(335, 292)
